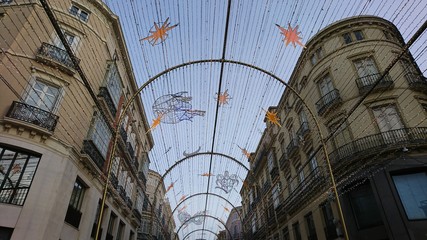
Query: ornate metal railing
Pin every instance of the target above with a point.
(123, 134)
(327, 101)
(372, 144)
(56, 54)
(416, 81)
(103, 92)
(292, 147)
(130, 149)
(114, 181)
(303, 129)
(304, 190)
(90, 149)
(30, 114)
(366, 82)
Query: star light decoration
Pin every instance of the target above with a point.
(206, 174)
(245, 152)
(291, 35)
(223, 98)
(272, 117)
(159, 33)
(155, 123)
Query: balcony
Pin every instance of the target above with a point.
(130, 150)
(123, 134)
(274, 173)
(416, 82)
(129, 202)
(292, 148)
(90, 149)
(351, 153)
(137, 214)
(73, 216)
(103, 92)
(122, 192)
(313, 183)
(114, 181)
(303, 130)
(328, 101)
(33, 115)
(56, 57)
(365, 83)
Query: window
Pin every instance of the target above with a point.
(311, 228)
(17, 170)
(325, 85)
(388, 119)
(120, 231)
(316, 56)
(111, 224)
(297, 232)
(74, 214)
(313, 163)
(341, 136)
(131, 235)
(302, 117)
(42, 95)
(328, 218)
(364, 206)
(79, 13)
(275, 195)
(100, 135)
(72, 41)
(412, 190)
(114, 85)
(270, 161)
(349, 36)
(285, 233)
(366, 67)
(6, 233)
(254, 223)
(5, 2)
(358, 34)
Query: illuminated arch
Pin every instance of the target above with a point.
(198, 230)
(199, 194)
(203, 215)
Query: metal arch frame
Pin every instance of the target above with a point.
(199, 194)
(188, 158)
(202, 215)
(150, 80)
(198, 230)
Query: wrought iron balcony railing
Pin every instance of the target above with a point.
(416, 81)
(313, 183)
(370, 145)
(328, 101)
(303, 130)
(56, 54)
(292, 147)
(30, 114)
(114, 181)
(366, 82)
(90, 149)
(103, 92)
(130, 149)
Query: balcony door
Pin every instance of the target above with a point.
(42, 95)
(389, 121)
(326, 86)
(367, 71)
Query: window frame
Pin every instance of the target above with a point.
(79, 12)
(97, 119)
(42, 96)
(15, 168)
(113, 83)
(403, 206)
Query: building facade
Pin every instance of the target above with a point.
(162, 225)
(56, 133)
(234, 224)
(373, 125)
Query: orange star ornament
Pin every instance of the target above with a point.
(245, 152)
(272, 117)
(291, 35)
(182, 198)
(206, 174)
(159, 33)
(156, 122)
(223, 98)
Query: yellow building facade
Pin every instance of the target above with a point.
(372, 122)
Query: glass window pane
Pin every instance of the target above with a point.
(364, 206)
(412, 190)
(347, 38)
(358, 35)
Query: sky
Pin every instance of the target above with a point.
(252, 37)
